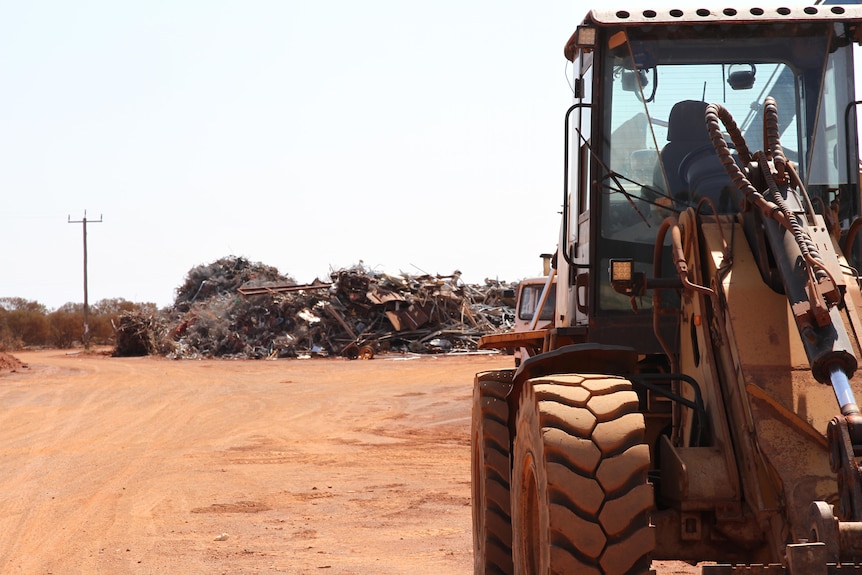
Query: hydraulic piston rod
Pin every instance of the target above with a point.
(843, 393)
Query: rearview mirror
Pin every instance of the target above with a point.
(741, 79)
(630, 80)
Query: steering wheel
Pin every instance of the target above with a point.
(691, 157)
(708, 177)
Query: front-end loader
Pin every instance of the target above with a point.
(695, 397)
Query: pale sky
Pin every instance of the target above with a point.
(306, 135)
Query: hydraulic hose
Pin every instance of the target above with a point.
(810, 288)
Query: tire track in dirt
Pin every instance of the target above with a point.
(137, 465)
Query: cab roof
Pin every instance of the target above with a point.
(746, 14)
(691, 16)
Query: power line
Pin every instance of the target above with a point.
(84, 221)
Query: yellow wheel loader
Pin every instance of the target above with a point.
(695, 395)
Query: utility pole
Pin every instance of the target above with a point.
(86, 302)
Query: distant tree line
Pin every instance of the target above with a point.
(25, 323)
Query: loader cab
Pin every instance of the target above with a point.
(532, 310)
(638, 149)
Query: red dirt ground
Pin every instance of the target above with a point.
(152, 466)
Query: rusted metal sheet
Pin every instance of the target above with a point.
(282, 288)
(534, 338)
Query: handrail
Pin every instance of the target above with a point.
(565, 247)
(847, 150)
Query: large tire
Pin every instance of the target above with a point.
(490, 465)
(581, 499)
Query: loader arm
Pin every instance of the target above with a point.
(796, 497)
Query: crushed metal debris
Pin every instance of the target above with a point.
(137, 334)
(233, 308)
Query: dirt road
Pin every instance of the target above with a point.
(151, 466)
(139, 465)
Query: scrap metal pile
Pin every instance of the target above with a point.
(233, 308)
(138, 334)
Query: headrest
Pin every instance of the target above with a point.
(687, 122)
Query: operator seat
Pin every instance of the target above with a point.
(691, 165)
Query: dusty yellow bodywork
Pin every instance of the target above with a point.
(778, 413)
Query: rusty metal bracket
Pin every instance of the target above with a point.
(845, 441)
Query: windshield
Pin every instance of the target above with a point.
(659, 159)
(529, 301)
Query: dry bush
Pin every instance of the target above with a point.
(31, 327)
(66, 328)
